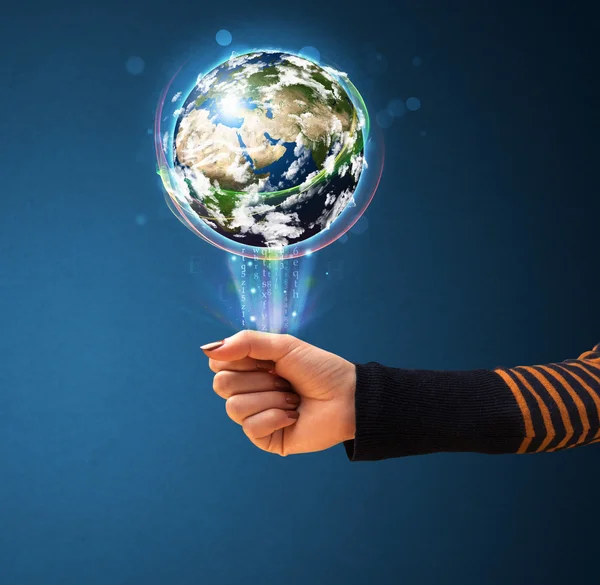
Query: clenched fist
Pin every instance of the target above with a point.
(289, 396)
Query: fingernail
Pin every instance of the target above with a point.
(212, 346)
(281, 384)
(293, 399)
(293, 414)
(265, 365)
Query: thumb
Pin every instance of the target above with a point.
(253, 344)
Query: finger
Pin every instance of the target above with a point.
(245, 365)
(241, 406)
(265, 423)
(255, 344)
(227, 383)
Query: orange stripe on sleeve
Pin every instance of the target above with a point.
(590, 365)
(593, 394)
(578, 402)
(550, 432)
(591, 356)
(529, 434)
(562, 409)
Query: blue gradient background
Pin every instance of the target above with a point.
(117, 462)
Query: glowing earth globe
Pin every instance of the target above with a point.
(268, 148)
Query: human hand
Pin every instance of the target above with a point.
(289, 396)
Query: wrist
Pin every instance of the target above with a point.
(349, 404)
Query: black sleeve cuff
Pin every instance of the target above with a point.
(415, 412)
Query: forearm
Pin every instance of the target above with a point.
(506, 410)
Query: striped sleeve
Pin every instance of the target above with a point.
(526, 409)
(559, 402)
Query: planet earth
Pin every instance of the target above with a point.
(268, 148)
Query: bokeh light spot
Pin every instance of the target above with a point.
(413, 104)
(397, 108)
(384, 118)
(310, 53)
(135, 65)
(378, 64)
(417, 61)
(224, 37)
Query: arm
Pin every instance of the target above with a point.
(507, 410)
(292, 397)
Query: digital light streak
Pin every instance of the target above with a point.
(272, 294)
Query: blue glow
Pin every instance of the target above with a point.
(253, 290)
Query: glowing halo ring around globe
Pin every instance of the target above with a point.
(365, 159)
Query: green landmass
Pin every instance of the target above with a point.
(225, 202)
(324, 81)
(308, 93)
(262, 78)
(342, 106)
(319, 152)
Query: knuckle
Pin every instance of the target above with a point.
(247, 427)
(232, 407)
(272, 417)
(288, 339)
(221, 383)
(294, 344)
